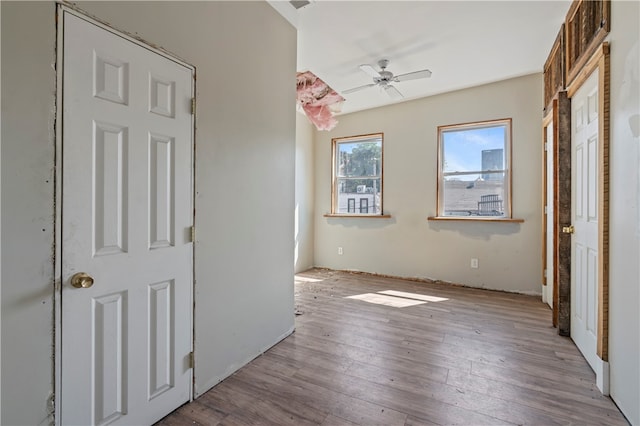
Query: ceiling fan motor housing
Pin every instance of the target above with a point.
(385, 77)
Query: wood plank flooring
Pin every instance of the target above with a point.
(476, 358)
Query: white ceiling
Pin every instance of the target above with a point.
(464, 43)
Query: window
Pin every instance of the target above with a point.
(357, 175)
(474, 168)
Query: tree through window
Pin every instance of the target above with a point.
(357, 175)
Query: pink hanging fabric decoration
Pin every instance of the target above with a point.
(318, 100)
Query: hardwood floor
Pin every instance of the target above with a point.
(466, 356)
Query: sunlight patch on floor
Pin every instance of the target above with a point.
(300, 278)
(416, 296)
(396, 299)
(383, 299)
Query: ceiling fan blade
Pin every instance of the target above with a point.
(355, 89)
(393, 92)
(368, 69)
(412, 75)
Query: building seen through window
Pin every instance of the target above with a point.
(474, 169)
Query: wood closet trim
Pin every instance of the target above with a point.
(549, 118)
(554, 71)
(562, 203)
(577, 22)
(546, 145)
(559, 114)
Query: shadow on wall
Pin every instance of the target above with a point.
(478, 230)
(358, 222)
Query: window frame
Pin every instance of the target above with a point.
(335, 142)
(507, 170)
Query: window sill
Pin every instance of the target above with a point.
(360, 216)
(476, 219)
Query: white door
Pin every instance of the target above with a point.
(126, 219)
(584, 209)
(547, 291)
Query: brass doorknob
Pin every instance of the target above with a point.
(81, 280)
(568, 229)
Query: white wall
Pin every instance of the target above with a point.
(624, 232)
(245, 59)
(304, 210)
(28, 146)
(0, 229)
(407, 244)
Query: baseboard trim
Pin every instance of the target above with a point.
(602, 376)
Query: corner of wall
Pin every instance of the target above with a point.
(305, 194)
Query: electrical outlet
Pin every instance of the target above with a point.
(340, 251)
(474, 263)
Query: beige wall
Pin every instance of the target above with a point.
(304, 220)
(407, 244)
(28, 146)
(624, 264)
(245, 148)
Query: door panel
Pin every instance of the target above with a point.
(110, 189)
(126, 216)
(109, 356)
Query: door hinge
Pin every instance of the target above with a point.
(546, 210)
(193, 106)
(544, 273)
(546, 146)
(191, 360)
(193, 234)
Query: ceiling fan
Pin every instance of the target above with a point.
(384, 78)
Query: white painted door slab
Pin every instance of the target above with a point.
(584, 200)
(126, 218)
(547, 291)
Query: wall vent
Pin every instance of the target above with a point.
(298, 4)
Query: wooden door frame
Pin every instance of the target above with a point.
(61, 9)
(600, 61)
(559, 113)
(546, 144)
